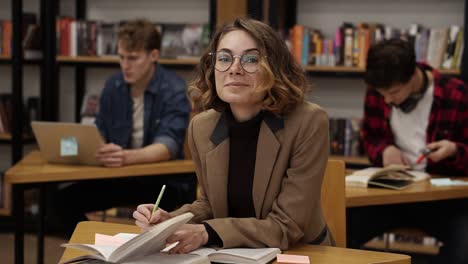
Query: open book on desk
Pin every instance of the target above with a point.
(395, 177)
(151, 241)
(150, 247)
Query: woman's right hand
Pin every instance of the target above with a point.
(144, 218)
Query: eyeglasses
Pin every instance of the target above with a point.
(223, 60)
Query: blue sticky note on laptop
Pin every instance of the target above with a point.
(68, 147)
(67, 143)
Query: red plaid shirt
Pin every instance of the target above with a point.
(448, 120)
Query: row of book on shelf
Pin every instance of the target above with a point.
(30, 112)
(98, 38)
(440, 47)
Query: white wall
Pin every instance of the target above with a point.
(343, 97)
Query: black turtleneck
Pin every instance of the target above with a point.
(243, 138)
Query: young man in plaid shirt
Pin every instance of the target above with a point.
(410, 107)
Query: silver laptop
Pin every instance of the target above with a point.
(67, 143)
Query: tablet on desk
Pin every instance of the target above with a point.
(67, 143)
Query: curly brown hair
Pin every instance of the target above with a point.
(139, 34)
(283, 79)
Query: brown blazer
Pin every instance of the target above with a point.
(292, 153)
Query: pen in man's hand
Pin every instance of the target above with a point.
(156, 204)
(424, 153)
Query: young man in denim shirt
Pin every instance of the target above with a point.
(143, 115)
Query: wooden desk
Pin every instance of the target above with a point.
(34, 170)
(84, 233)
(419, 192)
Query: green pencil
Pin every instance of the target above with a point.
(156, 204)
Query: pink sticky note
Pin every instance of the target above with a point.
(105, 240)
(292, 259)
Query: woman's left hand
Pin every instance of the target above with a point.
(190, 237)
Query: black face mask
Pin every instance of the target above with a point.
(410, 103)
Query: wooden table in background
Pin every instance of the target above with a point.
(84, 233)
(418, 192)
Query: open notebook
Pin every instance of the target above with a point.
(132, 247)
(125, 248)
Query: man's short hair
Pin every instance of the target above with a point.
(389, 63)
(139, 34)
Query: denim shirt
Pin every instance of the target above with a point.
(166, 111)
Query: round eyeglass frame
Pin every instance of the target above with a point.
(213, 58)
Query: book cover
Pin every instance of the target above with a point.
(7, 29)
(297, 35)
(348, 44)
(458, 50)
(421, 44)
(107, 39)
(364, 44)
(449, 55)
(437, 46)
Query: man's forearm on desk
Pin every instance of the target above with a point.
(152, 153)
